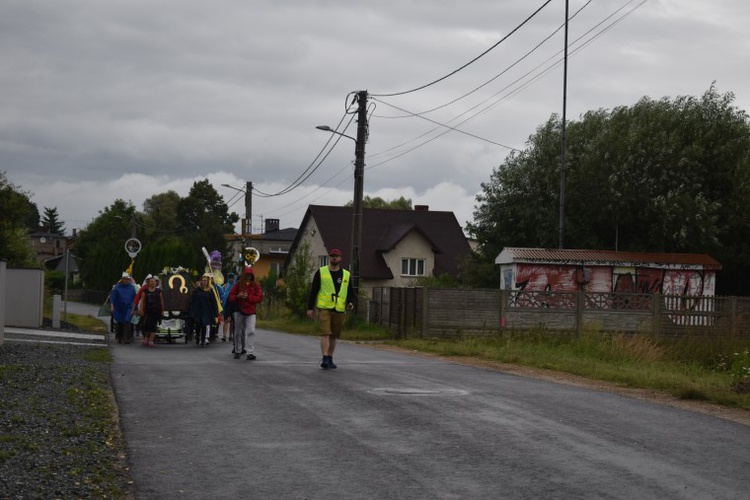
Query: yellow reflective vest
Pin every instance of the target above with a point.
(327, 298)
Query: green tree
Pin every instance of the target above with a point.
(160, 214)
(51, 221)
(18, 216)
(659, 176)
(100, 247)
(378, 202)
(203, 219)
(297, 279)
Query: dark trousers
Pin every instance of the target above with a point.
(124, 332)
(200, 334)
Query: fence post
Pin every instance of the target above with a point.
(402, 312)
(656, 308)
(733, 318)
(425, 312)
(580, 301)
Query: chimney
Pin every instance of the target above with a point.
(422, 208)
(272, 225)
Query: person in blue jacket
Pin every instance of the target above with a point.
(121, 305)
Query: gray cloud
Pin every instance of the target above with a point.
(128, 99)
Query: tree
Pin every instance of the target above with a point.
(378, 202)
(51, 221)
(659, 176)
(297, 279)
(100, 247)
(18, 216)
(203, 218)
(160, 214)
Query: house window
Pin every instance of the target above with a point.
(279, 250)
(323, 261)
(412, 267)
(275, 268)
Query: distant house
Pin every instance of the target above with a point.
(569, 270)
(273, 245)
(48, 245)
(397, 245)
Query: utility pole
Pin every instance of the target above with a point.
(563, 146)
(247, 226)
(359, 175)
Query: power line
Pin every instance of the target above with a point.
(513, 91)
(508, 68)
(470, 62)
(312, 167)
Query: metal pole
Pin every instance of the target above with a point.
(563, 147)
(359, 174)
(65, 294)
(248, 209)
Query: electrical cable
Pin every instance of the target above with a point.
(512, 92)
(508, 68)
(470, 62)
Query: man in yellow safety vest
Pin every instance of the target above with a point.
(332, 295)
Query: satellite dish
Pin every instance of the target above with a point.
(42, 240)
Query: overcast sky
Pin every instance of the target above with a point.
(125, 99)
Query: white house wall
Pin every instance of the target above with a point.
(412, 246)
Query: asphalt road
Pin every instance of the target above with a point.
(200, 424)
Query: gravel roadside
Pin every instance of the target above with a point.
(60, 434)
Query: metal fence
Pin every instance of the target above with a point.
(438, 312)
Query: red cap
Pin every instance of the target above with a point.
(248, 270)
(335, 251)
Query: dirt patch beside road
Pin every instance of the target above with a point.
(731, 414)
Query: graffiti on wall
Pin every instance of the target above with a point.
(688, 282)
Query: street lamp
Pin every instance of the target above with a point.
(326, 128)
(359, 175)
(247, 227)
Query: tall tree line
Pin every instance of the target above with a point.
(671, 175)
(172, 230)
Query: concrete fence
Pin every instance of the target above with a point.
(443, 312)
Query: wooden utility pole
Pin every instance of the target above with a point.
(359, 174)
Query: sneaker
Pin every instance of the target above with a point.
(250, 357)
(151, 344)
(331, 365)
(223, 339)
(324, 364)
(236, 355)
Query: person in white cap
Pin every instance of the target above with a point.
(121, 302)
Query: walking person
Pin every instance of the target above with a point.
(228, 309)
(203, 310)
(121, 305)
(331, 293)
(245, 295)
(151, 308)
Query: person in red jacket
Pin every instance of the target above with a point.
(245, 295)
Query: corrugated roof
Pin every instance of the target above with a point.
(604, 257)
